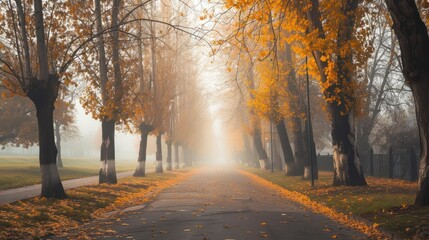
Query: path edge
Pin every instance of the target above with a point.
(357, 223)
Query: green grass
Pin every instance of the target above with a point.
(19, 171)
(387, 202)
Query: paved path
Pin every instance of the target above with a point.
(221, 204)
(16, 194)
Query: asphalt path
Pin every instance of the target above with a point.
(16, 194)
(222, 204)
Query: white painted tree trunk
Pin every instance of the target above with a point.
(169, 166)
(50, 176)
(307, 172)
(110, 168)
(262, 164)
(140, 169)
(103, 168)
(158, 168)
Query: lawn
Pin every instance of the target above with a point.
(37, 218)
(385, 202)
(19, 171)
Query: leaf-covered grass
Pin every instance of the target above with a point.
(20, 171)
(385, 202)
(39, 217)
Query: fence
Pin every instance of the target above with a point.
(398, 163)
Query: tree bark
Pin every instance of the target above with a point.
(140, 171)
(250, 158)
(169, 159)
(299, 144)
(58, 137)
(291, 169)
(413, 165)
(347, 169)
(176, 156)
(262, 154)
(413, 39)
(43, 94)
(101, 53)
(107, 172)
(158, 168)
(116, 60)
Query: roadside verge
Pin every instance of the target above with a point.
(330, 202)
(36, 218)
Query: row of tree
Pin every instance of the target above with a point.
(131, 62)
(349, 52)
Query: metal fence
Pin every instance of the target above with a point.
(398, 163)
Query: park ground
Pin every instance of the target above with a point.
(20, 171)
(222, 203)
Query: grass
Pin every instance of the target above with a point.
(20, 171)
(385, 202)
(39, 217)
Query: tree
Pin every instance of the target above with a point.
(34, 63)
(337, 63)
(413, 39)
(268, 36)
(107, 95)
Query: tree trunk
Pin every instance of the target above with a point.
(291, 169)
(176, 156)
(262, 154)
(43, 94)
(347, 169)
(414, 42)
(141, 165)
(58, 137)
(116, 60)
(413, 165)
(169, 159)
(107, 172)
(421, 98)
(158, 168)
(250, 158)
(299, 144)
